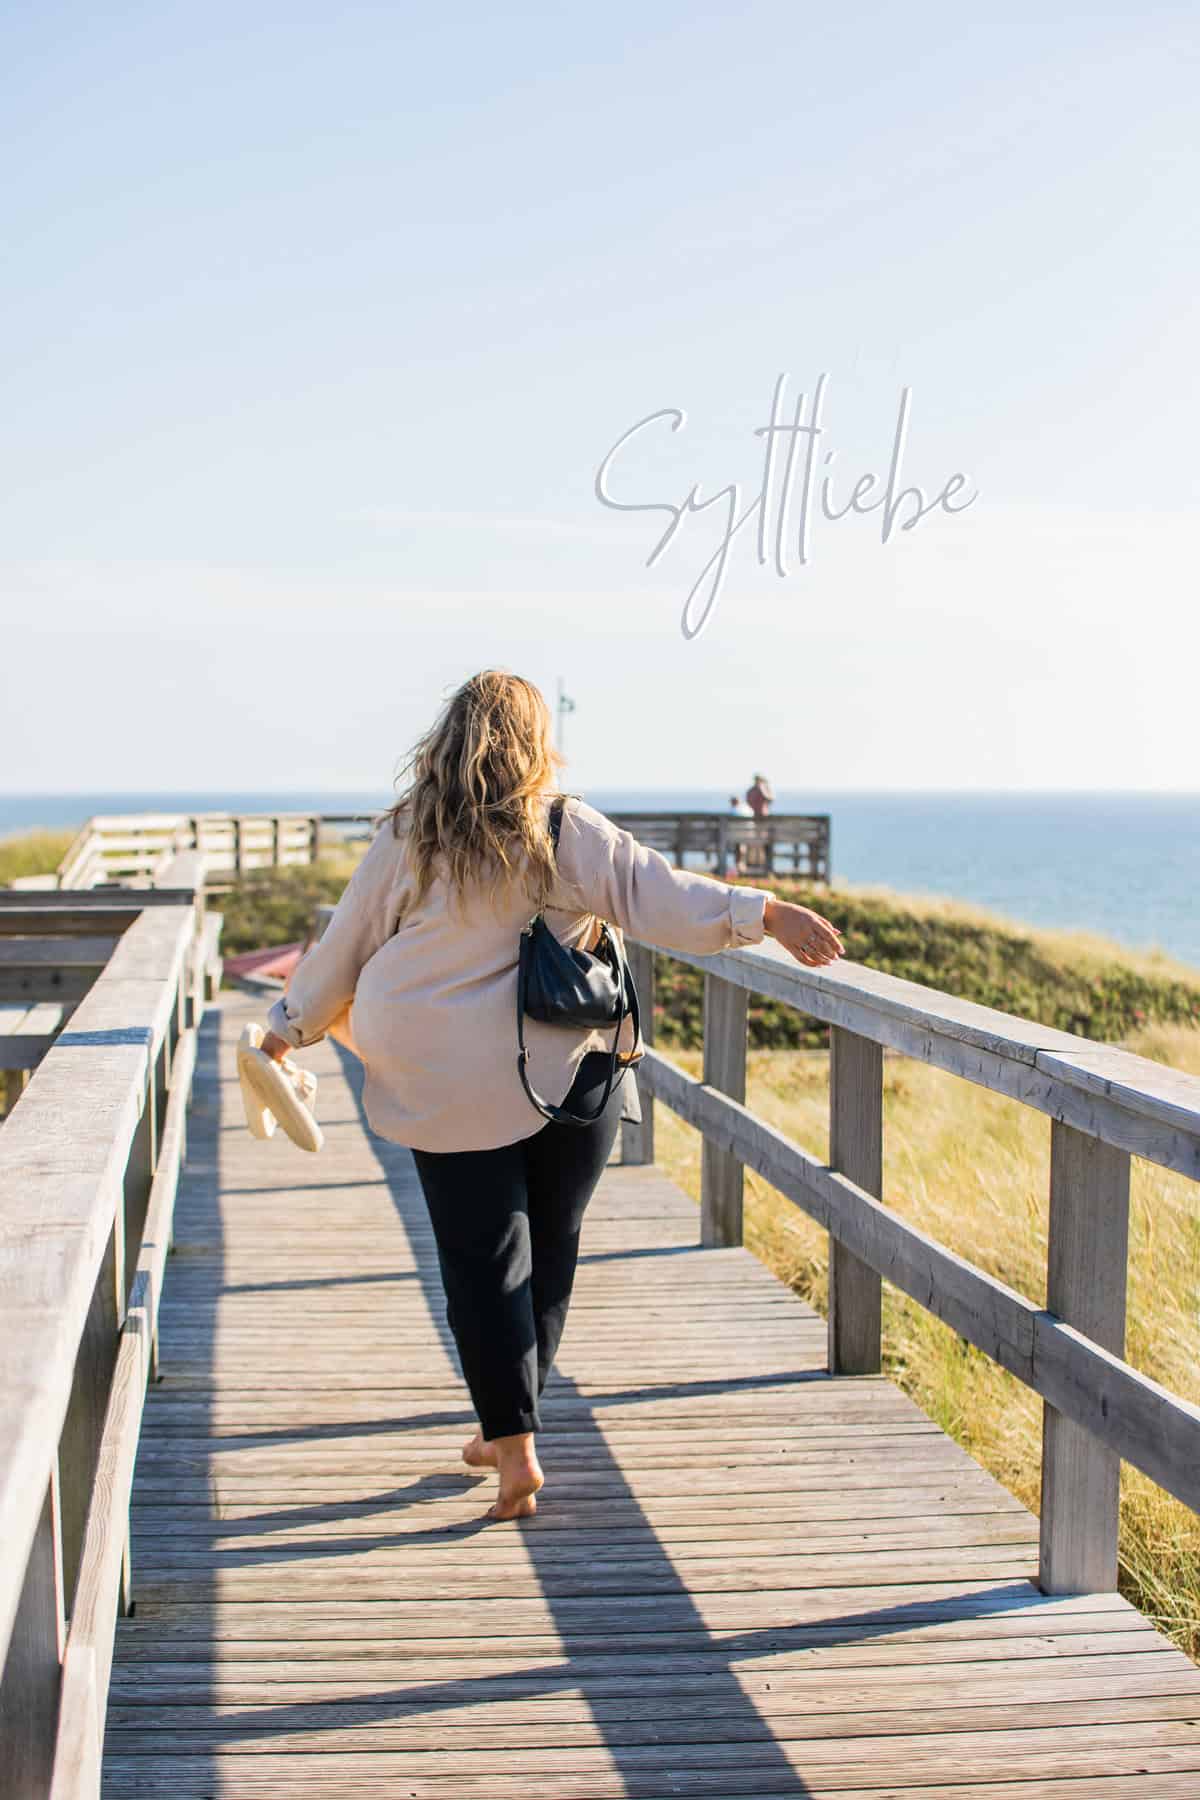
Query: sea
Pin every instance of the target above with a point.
(1126, 865)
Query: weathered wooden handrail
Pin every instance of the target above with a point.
(138, 847)
(89, 1160)
(1105, 1104)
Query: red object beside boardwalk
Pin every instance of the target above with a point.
(278, 962)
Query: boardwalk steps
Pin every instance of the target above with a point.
(746, 1577)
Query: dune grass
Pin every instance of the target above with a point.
(32, 853)
(972, 1168)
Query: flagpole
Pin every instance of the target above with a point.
(563, 705)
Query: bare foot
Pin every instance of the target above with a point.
(480, 1453)
(520, 1477)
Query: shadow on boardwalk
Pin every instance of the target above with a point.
(604, 1660)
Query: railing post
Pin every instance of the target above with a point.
(855, 1150)
(1085, 1287)
(31, 1676)
(721, 1174)
(139, 1174)
(722, 853)
(637, 1141)
(79, 1444)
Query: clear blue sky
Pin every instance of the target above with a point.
(318, 321)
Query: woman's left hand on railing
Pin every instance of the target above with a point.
(274, 1046)
(810, 938)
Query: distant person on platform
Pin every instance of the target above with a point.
(759, 796)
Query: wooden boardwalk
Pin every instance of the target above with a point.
(745, 1578)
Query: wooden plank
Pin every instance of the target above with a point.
(593, 1773)
(55, 952)
(725, 1070)
(30, 1668)
(347, 1778)
(34, 985)
(26, 1050)
(520, 1672)
(1086, 1282)
(726, 1718)
(138, 1175)
(181, 871)
(160, 1209)
(637, 1140)
(856, 1150)
(77, 1759)
(88, 1653)
(45, 1016)
(83, 1426)
(80, 916)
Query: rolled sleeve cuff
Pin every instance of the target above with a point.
(286, 1028)
(747, 914)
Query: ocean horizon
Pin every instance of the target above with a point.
(1123, 864)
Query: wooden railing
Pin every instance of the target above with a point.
(89, 1160)
(134, 848)
(795, 844)
(1105, 1105)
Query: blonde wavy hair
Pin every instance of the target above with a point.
(471, 808)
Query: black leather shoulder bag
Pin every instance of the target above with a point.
(576, 988)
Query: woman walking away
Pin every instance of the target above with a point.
(417, 974)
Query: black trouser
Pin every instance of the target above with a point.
(507, 1225)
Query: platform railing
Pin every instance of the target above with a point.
(134, 848)
(89, 1161)
(1105, 1106)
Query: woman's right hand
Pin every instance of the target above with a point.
(810, 938)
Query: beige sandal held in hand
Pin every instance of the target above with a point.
(277, 1093)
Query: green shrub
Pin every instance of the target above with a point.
(276, 906)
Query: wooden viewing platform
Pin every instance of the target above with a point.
(757, 1569)
(136, 847)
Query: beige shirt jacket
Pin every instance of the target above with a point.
(431, 1007)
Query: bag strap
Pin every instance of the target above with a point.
(628, 1009)
(556, 815)
(556, 818)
